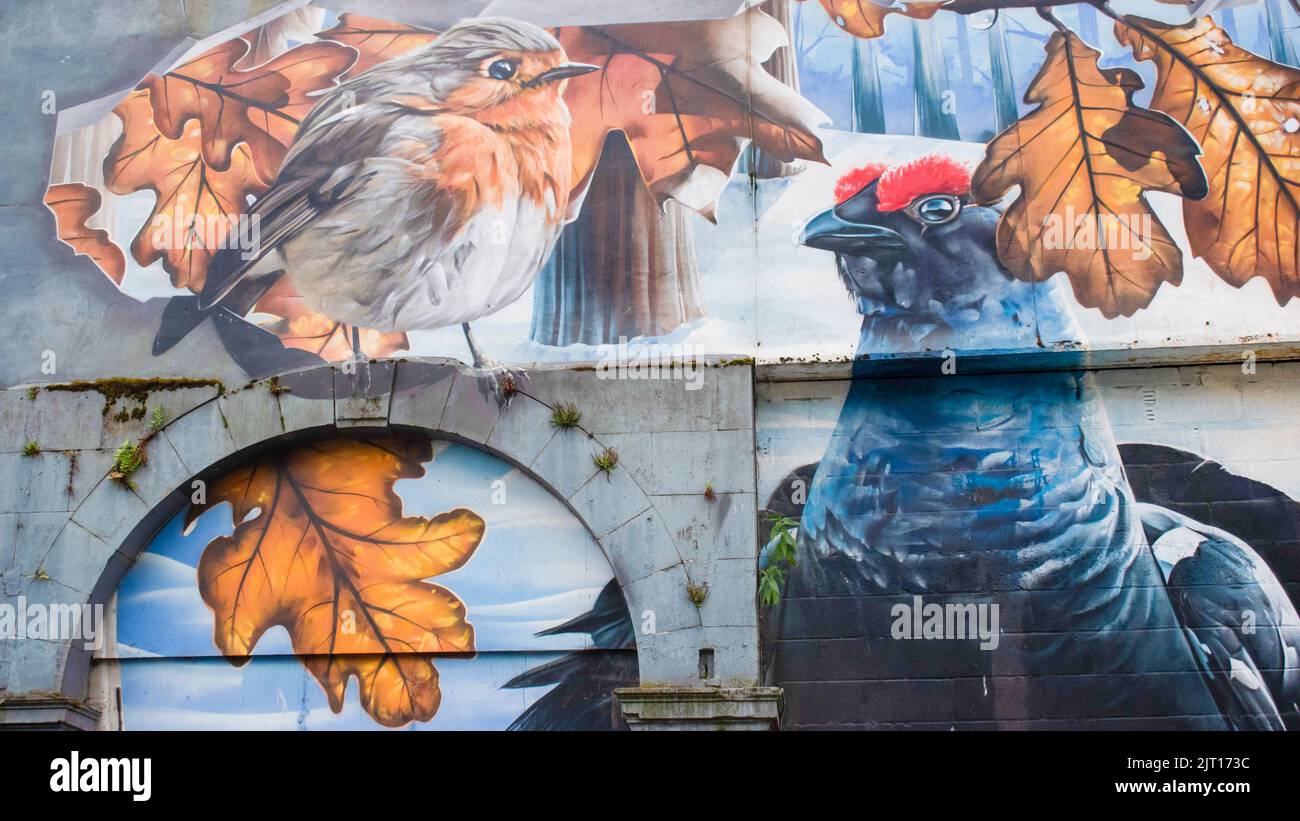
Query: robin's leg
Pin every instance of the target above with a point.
(499, 379)
(361, 360)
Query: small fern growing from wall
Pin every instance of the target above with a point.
(157, 420)
(777, 557)
(31, 448)
(127, 459)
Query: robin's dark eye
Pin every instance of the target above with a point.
(502, 69)
(936, 209)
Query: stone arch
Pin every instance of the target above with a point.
(438, 397)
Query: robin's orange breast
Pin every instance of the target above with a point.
(475, 166)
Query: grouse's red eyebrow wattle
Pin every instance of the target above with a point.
(856, 180)
(931, 174)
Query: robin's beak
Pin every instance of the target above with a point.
(828, 232)
(560, 72)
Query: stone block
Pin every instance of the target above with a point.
(641, 547)
(522, 430)
(362, 397)
(566, 462)
(200, 437)
(420, 390)
(472, 408)
(609, 500)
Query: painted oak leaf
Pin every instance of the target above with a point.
(322, 549)
(260, 107)
(1084, 160)
(1245, 113)
(73, 204)
(863, 18)
(298, 326)
(195, 205)
(688, 95)
(375, 40)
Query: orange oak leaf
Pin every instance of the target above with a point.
(1084, 160)
(1245, 112)
(322, 549)
(196, 206)
(260, 107)
(300, 327)
(863, 18)
(688, 95)
(375, 40)
(72, 204)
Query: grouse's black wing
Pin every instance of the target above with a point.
(1242, 627)
(582, 695)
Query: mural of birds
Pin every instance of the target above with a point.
(424, 192)
(1006, 490)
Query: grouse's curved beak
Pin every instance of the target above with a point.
(560, 72)
(828, 232)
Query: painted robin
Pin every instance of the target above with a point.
(426, 191)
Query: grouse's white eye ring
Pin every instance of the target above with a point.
(934, 209)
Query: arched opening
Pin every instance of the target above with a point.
(367, 581)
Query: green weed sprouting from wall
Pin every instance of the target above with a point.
(781, 541)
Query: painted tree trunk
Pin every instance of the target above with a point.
(783, 66)
(624, 268)
(868, 100)
(934, 95)
(1004, 87)
(1228, 19)
(1279, 41)
(963, 50)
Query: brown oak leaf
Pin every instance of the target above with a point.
(195, 205)
(1084, 160)
(321, 548)
(1245, 112)
(375, 40)
(260, 107)
(72, 204)
(863, 18)
(688, 95)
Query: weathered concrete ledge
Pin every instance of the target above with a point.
(45, 712)
(701, 708)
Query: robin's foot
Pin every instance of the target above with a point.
(496, 380)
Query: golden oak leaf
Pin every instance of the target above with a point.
(301, 327)
(260, 107)
(1084, 160)
(322, 549)
(1245, 113)
(375, 40)
(863, 18)
(72, 204)
(688, 95)
(195, 205)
